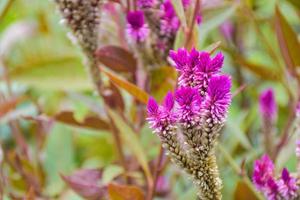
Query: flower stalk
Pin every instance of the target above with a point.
(189, 121)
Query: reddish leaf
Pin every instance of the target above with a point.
(132, 89)
(93, 122)
(85, 183)
(113, 97)
(116, 58)
(288, 41)
(124, 192)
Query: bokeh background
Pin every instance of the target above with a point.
(52, 121)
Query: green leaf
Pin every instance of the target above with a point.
(45, 63)
(180, 12)
(110, 173)
(179, 40)
(233, 127)
(59, 157)
(131, 140)
(215, 21)
(289, 43)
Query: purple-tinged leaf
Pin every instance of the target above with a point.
(116, 58)
(85, 183)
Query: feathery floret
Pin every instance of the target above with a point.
(137, 29)
(218, 97)
(189, 102)
(287, 185)
(267, 105)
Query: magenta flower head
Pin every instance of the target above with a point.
(180, 57)
(153, 114)
(189, 102)
(218, 97)
(263, 171)
(169, 23)
(287, 185)
(208, 65)
(196, 68)
(160, 117)
(137, 29)
(267, 105)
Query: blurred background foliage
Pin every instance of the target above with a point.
(52, 123)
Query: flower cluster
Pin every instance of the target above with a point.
(196, 111)
(161, 24)
(196, 68)
(161, 16)
(283, 188)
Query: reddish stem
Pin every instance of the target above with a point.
(191, 28)
(285, 135)
(157, 171)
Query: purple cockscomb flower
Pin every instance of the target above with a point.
(263, 171)
(201, 104)
(267, 105)
(189, 102)
(137, 29)
(169, 23)
(287, 185)
(196, 68)
(218, 97)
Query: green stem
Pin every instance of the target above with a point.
(237, 169)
